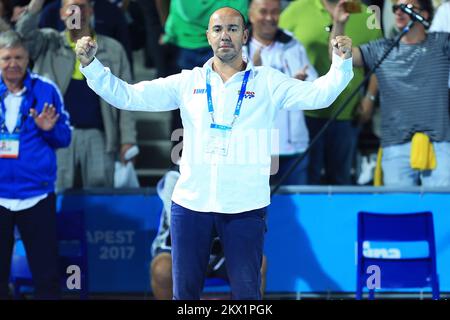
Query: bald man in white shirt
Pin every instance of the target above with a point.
(224, 180)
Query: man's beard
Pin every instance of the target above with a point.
(226, 57)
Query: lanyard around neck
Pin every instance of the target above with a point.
(237, 110)
(3, 118)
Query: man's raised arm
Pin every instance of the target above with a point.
(322, 92)
(162, 94)
(340, 18)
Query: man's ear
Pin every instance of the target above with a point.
(245, 36)
(207, 37)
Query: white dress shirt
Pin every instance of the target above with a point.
(238, 182)
(12, 105)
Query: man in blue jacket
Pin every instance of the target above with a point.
(33, 124)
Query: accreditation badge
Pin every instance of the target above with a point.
(218, 139)
(9, 146)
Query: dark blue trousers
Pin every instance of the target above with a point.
(242, 239)
(37, 227)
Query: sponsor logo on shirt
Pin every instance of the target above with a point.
(199, 91)
(248, 94)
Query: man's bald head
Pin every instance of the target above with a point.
(227, 11)
(227, 33)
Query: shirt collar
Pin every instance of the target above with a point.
(18, 94)
(250, 66)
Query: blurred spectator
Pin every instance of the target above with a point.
(135, 17)
(311, 22)
(99, 130)
(108, 20)
(32, 121)
(270, 46)
(390, 28)
(17, 8)
(159, 55)
(415, 123)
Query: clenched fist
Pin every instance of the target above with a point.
(342, 46)
(85, 50)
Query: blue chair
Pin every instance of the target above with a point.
(71, 234)
(415, 272)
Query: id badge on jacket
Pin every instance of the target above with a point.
(9, 145)
(218, 139)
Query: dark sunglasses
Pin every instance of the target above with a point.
(395, 7)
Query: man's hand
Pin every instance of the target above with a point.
(47, 119)
(342, 46)
(85, 49)
(257, 61)
(340, 16)
(17, 13)
(123, 149)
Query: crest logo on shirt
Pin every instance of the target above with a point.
(199, 91)
(248, 94)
